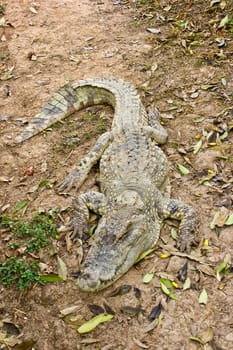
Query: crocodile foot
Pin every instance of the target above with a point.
(187, 241)
(68, 183)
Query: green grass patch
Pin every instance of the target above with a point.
(36, 233)
(22, 273)
(32, 235)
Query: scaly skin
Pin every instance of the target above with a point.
(134, 185)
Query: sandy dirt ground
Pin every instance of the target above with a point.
(179, 56)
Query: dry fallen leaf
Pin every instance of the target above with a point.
(207, 335)
(96, 309)
(89, 341)
(33, 10)
(187, 284)
(152, 325)
(220, 217)
(121, 290)
(203, 298)
(153, 30)
(155, 312)
(8, 74)
(69, 310)
(29, 171)
(62, 269)
(131, 310)
(140, 344)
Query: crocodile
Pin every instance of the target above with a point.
(134, 196)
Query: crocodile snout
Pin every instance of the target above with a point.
(89, 281)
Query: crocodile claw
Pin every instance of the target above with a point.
(186, 241)
(65, 185)
(78, 228)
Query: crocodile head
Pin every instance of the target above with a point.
(121, 236)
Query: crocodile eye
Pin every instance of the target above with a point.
(124, 230)
(103, 231)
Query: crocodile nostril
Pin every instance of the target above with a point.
(86, 276)
(88, 281)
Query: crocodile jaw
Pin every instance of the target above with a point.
(114, 253)
(94, 278)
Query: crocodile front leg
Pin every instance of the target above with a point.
(94, 201)
(80, 173)
(174, 209)
(154, 129)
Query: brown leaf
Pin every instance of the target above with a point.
(95, 309)
(150, 326)
(137, 292)
(182, 273)
(10, 328)
(25, 345)
(121, 290)
(207, 270)
(69, 310)
(155, 312)
(89, 341)
(140, 344)
(131, 310)
(29, 171)
(108, 309)
(219, 218)
(207, 335)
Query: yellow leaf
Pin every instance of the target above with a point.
(175, 284)
(197, 136)
(93, 323)
(144, 254)
(164, 256)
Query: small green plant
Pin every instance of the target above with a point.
(88, 135)
(14, 245)
(181, 24)
(17, 271)
(102, 126)
(199, 62)
(32, 235)
(38, 231)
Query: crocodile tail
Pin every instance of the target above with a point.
(77, 96)
(57, 108)
(64, 102)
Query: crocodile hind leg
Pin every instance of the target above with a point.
(80, 173)
(94, 201)
(174, 209)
